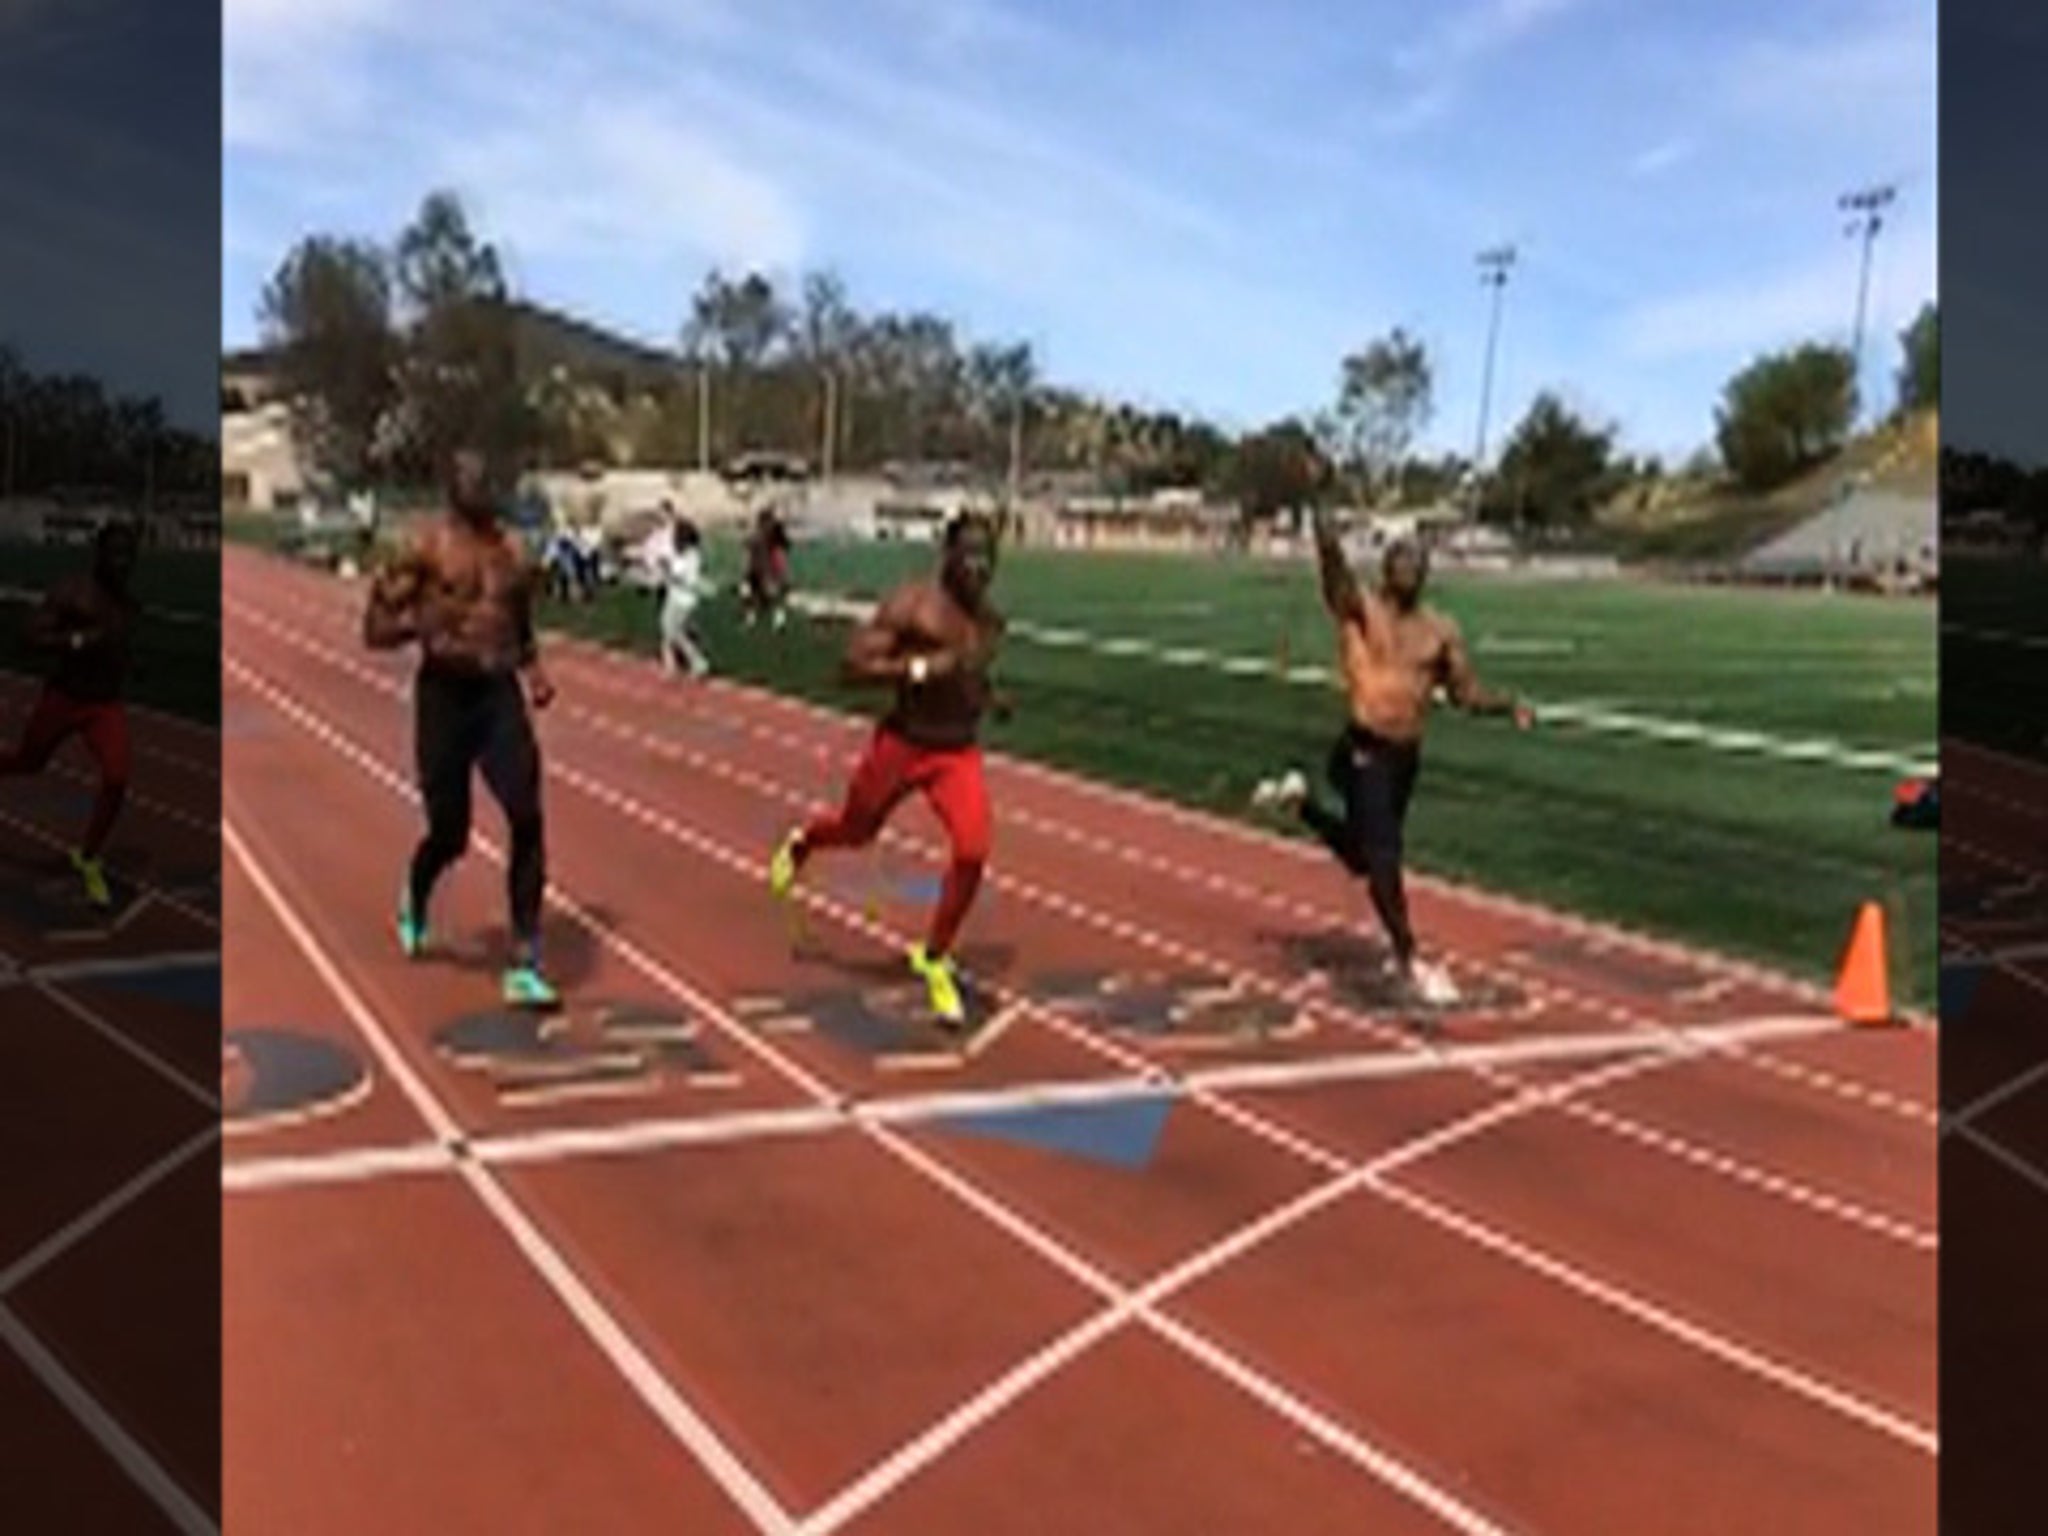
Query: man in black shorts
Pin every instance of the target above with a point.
(1395, 654)
(464, 588)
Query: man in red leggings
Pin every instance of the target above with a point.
(932, 641)
(84, 627)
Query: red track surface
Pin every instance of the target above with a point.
(111, 1123)
(1645, 1243)
(1994, 1149)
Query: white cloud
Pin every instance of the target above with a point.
(1659, 158)
(628, 178)
(1874, 75)
(1811, 302)
(1437, 65)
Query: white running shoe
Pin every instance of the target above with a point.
(1434, 986)
(1286, 791)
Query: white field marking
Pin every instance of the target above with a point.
(123, 1447)
(1963, 1119)
(60, 973)
(1891, 1228)
(102, 1211)
(665, 826)
(1590, 715)
(354, 1167)
(604, 1330)
(1637, 1309)
(609, 658)
(919, 1108)
(1847, 1404)
(134, 1049)
(996, 1212)
(1997, 636)
(2005, 1156)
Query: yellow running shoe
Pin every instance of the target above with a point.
(94, 874)
(940, 982)
(782, 869)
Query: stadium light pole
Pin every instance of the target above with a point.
(703, 417)
(1494, 266)
(1867, 206)
(830, 433)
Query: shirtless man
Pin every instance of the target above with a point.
(85, 627)
(932, 641)
(464, 589)
(1394, 654)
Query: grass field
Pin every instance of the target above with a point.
(1653, 799)
(1994, 639)
(177, 650)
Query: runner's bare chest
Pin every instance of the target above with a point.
(946, 710)
(1412, 646)
(474, 590)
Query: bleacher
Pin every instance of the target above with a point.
(1868, 536)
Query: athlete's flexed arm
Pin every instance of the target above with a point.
(892, 646)
(392, 618)
(1340, 585)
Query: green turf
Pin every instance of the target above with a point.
(1994, 647)
(177, 646)
(1750, 855)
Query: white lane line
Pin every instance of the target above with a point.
(354, 1165)
(102, 1211)
(123, 1447)
(121, 1041)
(605, 1331)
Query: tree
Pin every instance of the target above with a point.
(1555, 470)
(328, 312)
(1920, 369)
(461, 378)
(1784, 413)
(1431, 482)
(1384, 400)
(1279, 469)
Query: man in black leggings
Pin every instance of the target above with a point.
(464, 588)
(1395, 654)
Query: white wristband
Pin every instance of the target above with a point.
(919, 668)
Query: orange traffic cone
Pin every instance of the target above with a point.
(1863, 991)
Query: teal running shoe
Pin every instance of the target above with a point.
(412, 927)
(525, 987)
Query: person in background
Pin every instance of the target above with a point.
(676, 554)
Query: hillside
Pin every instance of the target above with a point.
(546, 339)
(1695, 520)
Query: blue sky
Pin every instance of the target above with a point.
(109, 248)
(1198, 205)
(1995, 323)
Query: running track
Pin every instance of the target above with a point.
(112, 1126)
(1994, 1156)
(1645, 1243)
